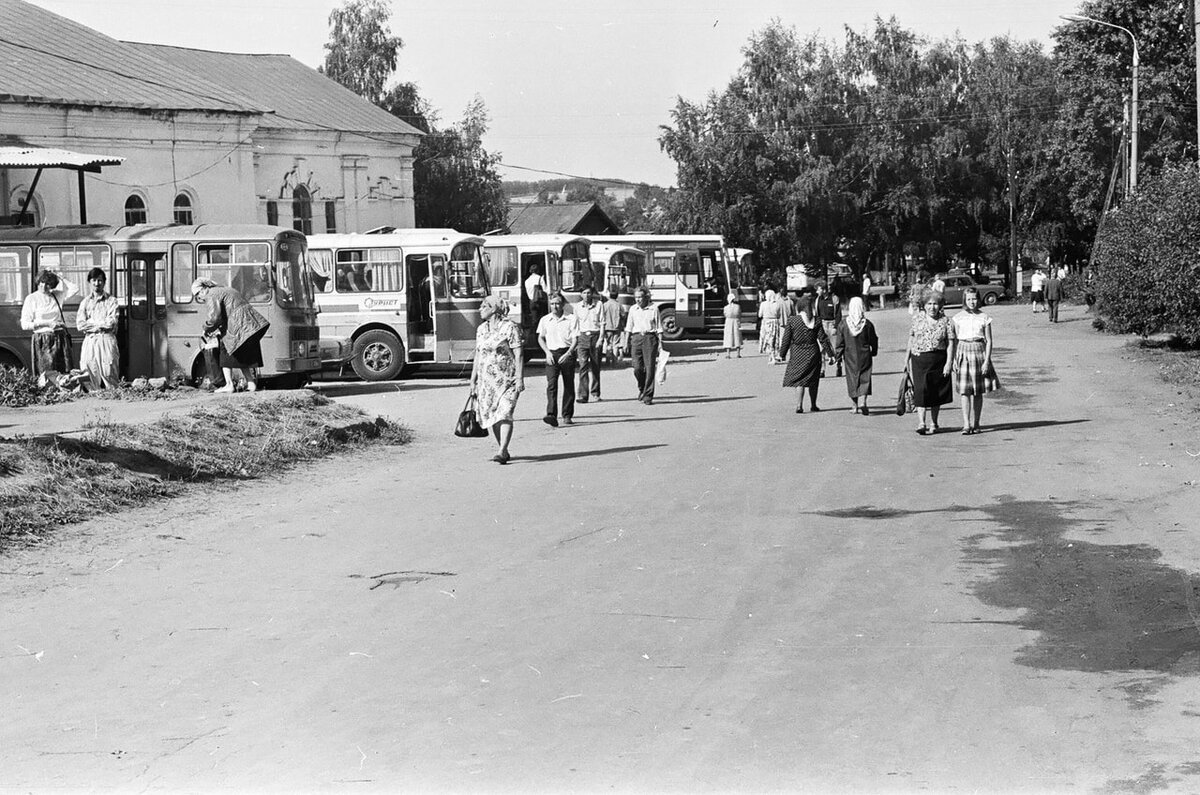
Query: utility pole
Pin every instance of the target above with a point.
(1196, 20)
(1013, 265)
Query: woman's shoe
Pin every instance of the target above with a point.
(854, 409)
(799, 409)
(501, 457)
(814, 408)
(228, 388)
(866, 411)
(922, 430)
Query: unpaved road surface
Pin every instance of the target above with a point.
(710, 593)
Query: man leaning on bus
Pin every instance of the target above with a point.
(641, 324)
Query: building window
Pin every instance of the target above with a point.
(33, 215)
(183, 210)
(135, 210)
(272, 213)
(330, 217)
(302, 210)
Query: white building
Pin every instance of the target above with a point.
(206, 136)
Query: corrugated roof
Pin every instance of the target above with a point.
(46, 58)
(557, 219)
(301, 98)
(37, 157)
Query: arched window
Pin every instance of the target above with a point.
(183, 210)
(135, 210)
(302, 210)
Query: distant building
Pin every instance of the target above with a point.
(206, 136)
(578, 218)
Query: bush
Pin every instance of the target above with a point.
(1147, 259)
(19, 388)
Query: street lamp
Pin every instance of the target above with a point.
(1133, 146)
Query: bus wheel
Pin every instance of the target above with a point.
(377, 356)
(9, 360)
(671, 330)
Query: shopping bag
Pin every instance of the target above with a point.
(468, 425)
(905, 402)
(660, 370)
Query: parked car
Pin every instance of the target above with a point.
(957, 283)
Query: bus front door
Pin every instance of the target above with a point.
(420, 317)
(144, 347)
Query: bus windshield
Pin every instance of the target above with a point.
(291, 276)
(468, 276)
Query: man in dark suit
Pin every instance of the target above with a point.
(1053, 293)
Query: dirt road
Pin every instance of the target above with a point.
(710, 593)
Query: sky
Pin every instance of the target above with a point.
(571, 88)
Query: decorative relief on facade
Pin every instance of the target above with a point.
(385, 189)
(296, 178)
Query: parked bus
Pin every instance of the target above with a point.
(150, 271)
(619, 268)
(688, 277)
(563, 261)
(397, 298)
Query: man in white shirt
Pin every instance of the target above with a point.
(1037, 287)
(558, 334)
(641, 324)
(592, 324)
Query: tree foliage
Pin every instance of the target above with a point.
(361, 52)
(455, 180)
(1147, 270)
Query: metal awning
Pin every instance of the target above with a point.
(39, 158)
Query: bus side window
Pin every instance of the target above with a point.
(438, 276)
(182, 273)
(320, 265)
(14, 275)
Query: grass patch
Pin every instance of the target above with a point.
(18, 388)
(47, 482)
(1176, 365)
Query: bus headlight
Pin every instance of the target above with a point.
(300, 349)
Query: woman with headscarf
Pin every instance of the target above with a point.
(802, 344)
(856, 342)
(498, 372)
(768, 328)
(238, 328)
(732, 338)
(42, 314)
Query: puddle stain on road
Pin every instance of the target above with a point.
(398, 578)
(1096, 607)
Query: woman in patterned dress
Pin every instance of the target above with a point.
(768, 328)
(802, 345)
(928, 365)
(971, 353)
(498, 372)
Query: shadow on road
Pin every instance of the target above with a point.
(616, 421)
(701, 399)
(584, 453)
(381, 387)
(1023, 426)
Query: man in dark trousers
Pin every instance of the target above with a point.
(1053, 293)
(558, 334)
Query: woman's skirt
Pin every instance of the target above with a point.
(733, 333)
(51, 350)
(971, 376)
(768, 339)
(100, 357)
(930, 387)
(803, 366)
(248, 355)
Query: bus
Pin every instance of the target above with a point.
(617, 268)
(563, 261)
(689, 278)
(395, 299)
(150, 271)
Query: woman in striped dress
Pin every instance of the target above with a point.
(768, 330)
(802, 345)
(971, 353)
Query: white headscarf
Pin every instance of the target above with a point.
(856, 316)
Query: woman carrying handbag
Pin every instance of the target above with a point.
(497, 373)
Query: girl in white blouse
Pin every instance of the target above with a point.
(971, 353)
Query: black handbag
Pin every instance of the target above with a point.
(905, 400)
(468, 425)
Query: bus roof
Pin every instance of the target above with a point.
(637, 238)
(534, 240)
(100, 233)
(399, 237)
(606, 251)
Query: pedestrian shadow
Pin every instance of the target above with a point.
(621, 421)
(1023, 426)
(701, 399)
(584, 453)
(380, 387)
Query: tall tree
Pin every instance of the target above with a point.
(361, 52)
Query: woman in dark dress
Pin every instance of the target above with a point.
(857, 343)
(928, 366)
(801, 346)
(238, 327)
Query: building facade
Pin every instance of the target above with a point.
(207, 137)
